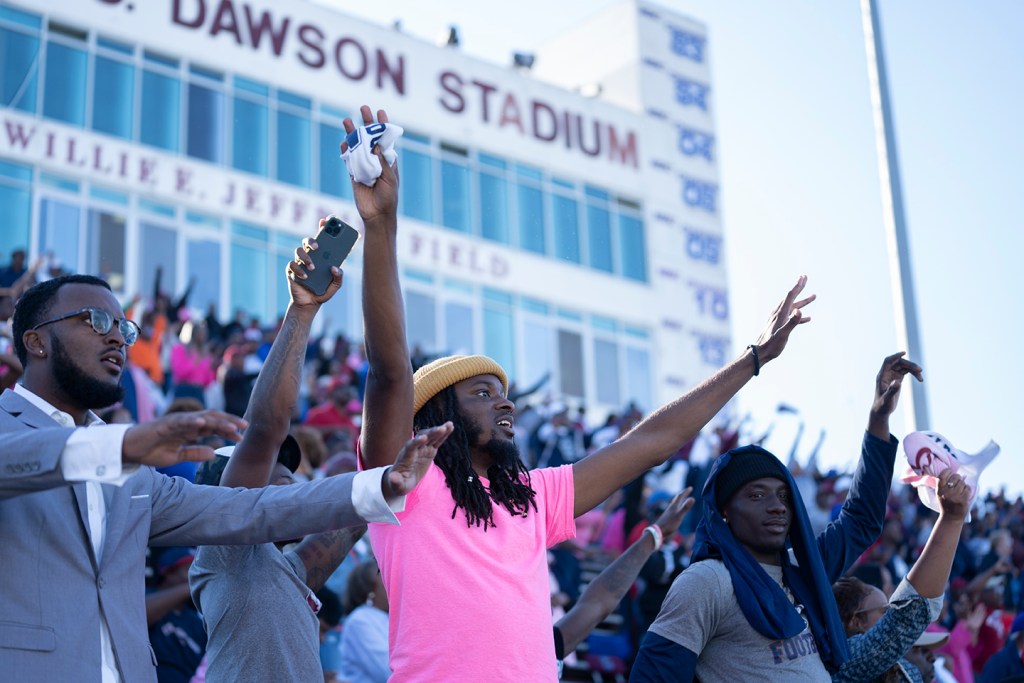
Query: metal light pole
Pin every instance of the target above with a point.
(908, 336)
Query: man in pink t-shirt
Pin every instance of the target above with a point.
(466, 572)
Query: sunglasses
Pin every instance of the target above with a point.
(102, 321)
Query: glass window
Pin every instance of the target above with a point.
(494, 207)
(16, 208)
(159, 123)
(249, 136)
(293, 144)
(421, 321)
(455, 196)
(498, 339)
(334, 178)
(638, 377)
(606, 362)
(205, 123)
(532, 234)
(631, 246)
(160, 250)
(570, 363)
(538, 350)
(113, 97)
(566, 223)
(458, 328)
(59, 231)
(64, 86)
(105, 247)
(599, 238)
(249, 279)
(19, 70)
(202, 265)
(417, 186)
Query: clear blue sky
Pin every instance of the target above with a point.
(800, 193)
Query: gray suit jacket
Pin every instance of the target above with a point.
(53, 589)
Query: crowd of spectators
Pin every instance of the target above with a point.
(189, 360)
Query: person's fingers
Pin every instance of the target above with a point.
(688, 503)
(302, 256)
(195, 453)
(367, 115)
(889, 360)
(382, 116)
(310, 243)
(349, 125)
(804, 302)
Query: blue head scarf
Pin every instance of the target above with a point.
(763, 602)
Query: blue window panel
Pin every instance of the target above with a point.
(599, 239)
(493, 161)
(455, 212)
(203, 219)
(155, 58)
(113, 97)
(606, 359)
(408, 136)
(115, 46)
(59, 182)
(16, 171)
(205, 123)
(160, 250)
(532, 232)
(165, 210)
(600, 322)
(19, 70)
(111, 196)
(632, 248)
(595, 192)
(494, 208)
(64, 86)
(105, 247)
(337, 113)
(249, 136)
(638, 378)
(419, 276)
(294, 100)
(16, 208)
(421, 320)
(334, 178)
(417, 186)
(458, 328)
(560, 182)
(294, 165)
(254, 87)
(497, 296)
(533, 306)
(249, 231)
(538, 351)
(160, 122)
(25, 19)
(567, 232)
(59, 231)
(249, 280)
(498, 339)
(280, 284)
(570, 364)
(202, 266)
(529, 172)
(206, 73)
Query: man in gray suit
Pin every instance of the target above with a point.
(79, 506)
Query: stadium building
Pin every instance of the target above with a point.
(563, 218)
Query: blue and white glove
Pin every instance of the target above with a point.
(359, 158)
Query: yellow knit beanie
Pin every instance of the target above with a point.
(437, 376)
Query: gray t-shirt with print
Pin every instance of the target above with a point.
(701, 614)
(255, 604)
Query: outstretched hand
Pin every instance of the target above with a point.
(954, 495)
(174, 438)
(413, 460)
(297, 270)
(888, 382)
(672, 517)
(381, 200)
(784, 319)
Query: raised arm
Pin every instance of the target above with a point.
(930, 573)
(863, 514)
(661, 434)
(603, 593)
(277, 387)
(387, 403)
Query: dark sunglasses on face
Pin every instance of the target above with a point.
(102, 321)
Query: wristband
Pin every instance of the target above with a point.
(757, 361)
(655, 532)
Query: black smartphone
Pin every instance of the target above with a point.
(334, 242)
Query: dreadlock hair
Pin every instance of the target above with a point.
(510, 483)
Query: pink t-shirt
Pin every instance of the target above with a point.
(470, 605)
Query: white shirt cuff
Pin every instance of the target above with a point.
(368, 498)
(94, 454)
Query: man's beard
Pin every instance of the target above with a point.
(504, 453)
(84, 390)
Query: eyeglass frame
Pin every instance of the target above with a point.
(93, 311)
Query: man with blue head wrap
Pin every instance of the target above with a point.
(756, 602)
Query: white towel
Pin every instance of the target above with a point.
(929, 453)
(359, 158)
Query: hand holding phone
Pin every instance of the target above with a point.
(334, 242)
